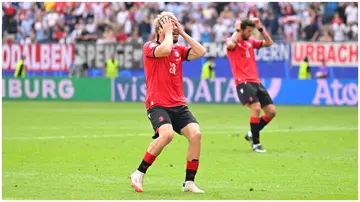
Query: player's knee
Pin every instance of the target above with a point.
(271, 113)
(196, 136)
(166, 134)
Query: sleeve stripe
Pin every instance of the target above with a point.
(187, 54)
(154, 51)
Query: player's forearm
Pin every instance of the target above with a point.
(198, 49)
(166, 45)
(233, 39)
(267, 38)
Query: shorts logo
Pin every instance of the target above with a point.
(250, 99)
(241, 91)
(161, 118)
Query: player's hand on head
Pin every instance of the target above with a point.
(178, 26)
(238, 24)
(167, 25)
(257, 22)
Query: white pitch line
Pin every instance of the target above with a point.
(205, 132)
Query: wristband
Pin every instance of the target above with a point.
(261, 29)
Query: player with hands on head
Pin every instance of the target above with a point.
(251, 92)
(165, 101)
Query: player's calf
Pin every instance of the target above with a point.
(255, 122)
(192, 132)
(270, 113)
(165, 137)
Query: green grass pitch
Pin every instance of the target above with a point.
(85, 150)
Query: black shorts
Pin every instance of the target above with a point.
(249, 93)
(178, 117)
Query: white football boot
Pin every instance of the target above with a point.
(137, 179)
(255, 147)
(189, 186)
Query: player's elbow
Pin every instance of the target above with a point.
(202, 52)
(230, 46)
(269, 43)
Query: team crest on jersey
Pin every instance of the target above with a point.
(177, 56)
(249, 44)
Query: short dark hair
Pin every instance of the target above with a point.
(247, 23)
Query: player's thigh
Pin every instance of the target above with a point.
(264, 96)
(182, 118)
(247, 93)
(158, 117)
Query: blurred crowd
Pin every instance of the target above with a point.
(109, 22)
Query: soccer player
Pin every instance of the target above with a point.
(165, 100)
(240, 51)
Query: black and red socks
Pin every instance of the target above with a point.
(255, 129)
(191, 169)
(264, 120)
(146, 162)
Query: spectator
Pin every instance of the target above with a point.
(196, 30)
(325, 35)
(206, 34)
(11, 31)
(341, 10)
(220, 31)
(35, 22)
(122, 15)
(91, 26)
(57, 34)
(291, 29)
(41, 33)
(187, 28)
(51, 18)
(311, 32)
(209, 12)
(66, 38)
(26, 24)
(145, 28)
(338, 28)
(351, 13)
(272, 24)
(352, 31)
(134, 38)
(69, 18)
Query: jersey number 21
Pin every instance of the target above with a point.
(172, 68)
